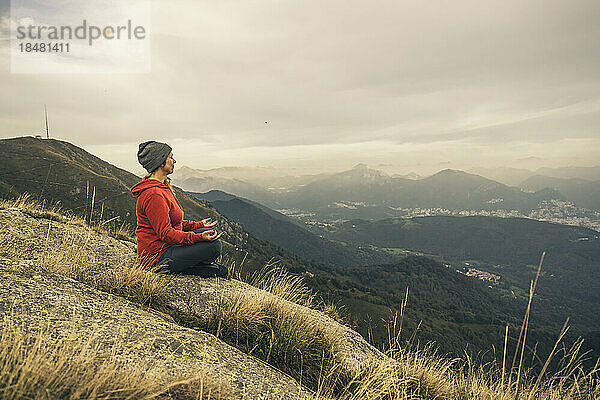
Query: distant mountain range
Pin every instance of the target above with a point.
(372, 194)
(448, 189)
(580, 191)
(587, 173)
(516, 176)
(580, 185)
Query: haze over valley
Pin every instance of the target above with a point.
(563, 195)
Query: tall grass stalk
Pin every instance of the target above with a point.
(563, 331)
(504, 356)
(524, 327)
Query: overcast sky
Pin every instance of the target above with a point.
(413, 85)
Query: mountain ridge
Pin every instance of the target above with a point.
(376, 194)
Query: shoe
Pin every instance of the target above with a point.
(222, 271)
(211, 270)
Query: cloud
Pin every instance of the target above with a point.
(458, 76)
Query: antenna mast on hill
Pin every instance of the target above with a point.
(46, 116)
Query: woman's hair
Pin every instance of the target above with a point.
(166, 182)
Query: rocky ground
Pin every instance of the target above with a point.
(32, 294)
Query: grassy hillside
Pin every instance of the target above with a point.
(57, 171)
(54, 170)
(452, 309)
(572, 264)
(219, 195)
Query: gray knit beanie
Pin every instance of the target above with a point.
(153, 154)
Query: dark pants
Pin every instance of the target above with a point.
(194, 259)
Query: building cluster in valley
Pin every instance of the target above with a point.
(479, 274)
(556, 211)
(560, 212)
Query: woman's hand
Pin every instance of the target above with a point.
(208, 222)
(211, 235)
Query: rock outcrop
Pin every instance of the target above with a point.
(71, 309)
(159, 339)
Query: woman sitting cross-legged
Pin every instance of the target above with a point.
(164, 238)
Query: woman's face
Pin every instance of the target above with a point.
(169, 164)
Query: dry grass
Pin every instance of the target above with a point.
(36, 365)
(277, 281)
(68, 254)
(147, 286)
(233, 268)
(424, 375)
(334, 312)
(265, 323)
(121, 232)
(63, 254)
(411, 375)
(40, 209)
(129, 279)
(27, 205)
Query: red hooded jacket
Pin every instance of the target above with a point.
(160, 222)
